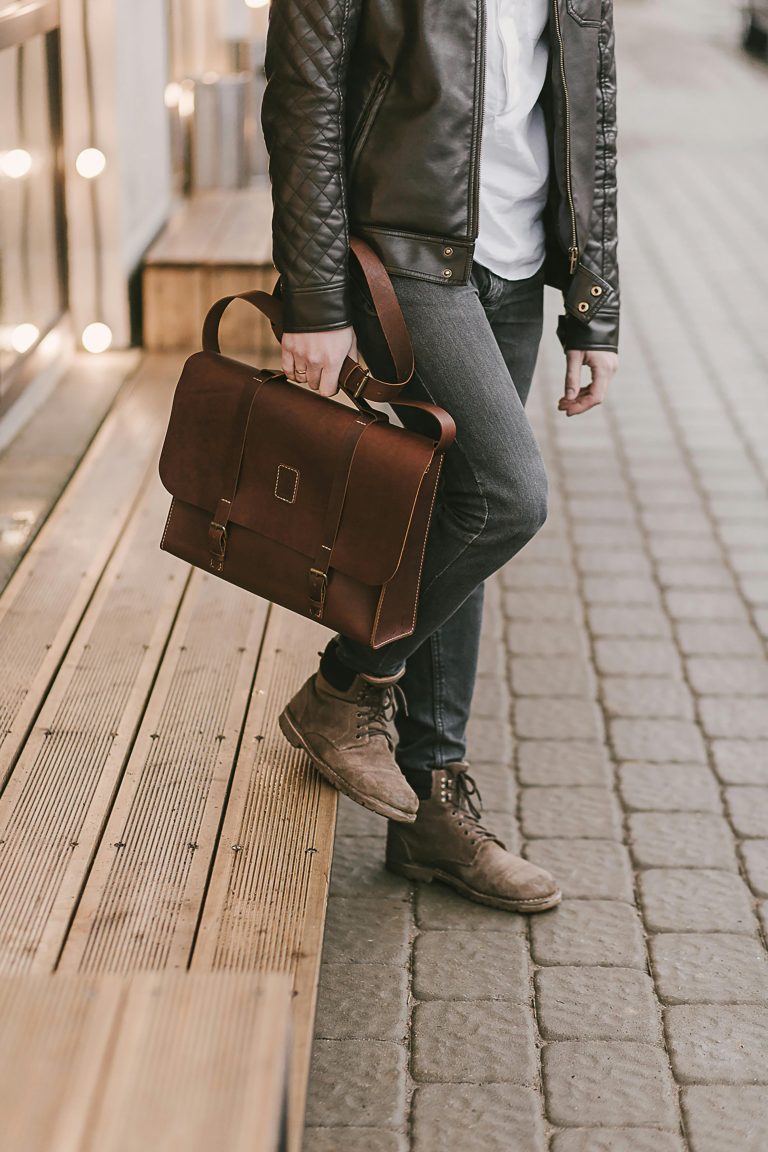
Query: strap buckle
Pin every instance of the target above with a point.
(361, 387)
(318, 588)
(217, 545)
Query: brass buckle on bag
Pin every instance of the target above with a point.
(362, 385)
(217, 545)
(317, 601)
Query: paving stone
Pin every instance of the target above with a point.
(676, 574)
(620, 590)
(705, 605)
(639, 657)
(491, 698)
(557, 718)
(496, 783)
(358, 869)
(748, 809)
(597, 1004)
(352, 1140)
(548, 762)
(551, 676)
(569, 812)
(718, 1044)
(354, 820)
(647, 696)
(718, 638)
(473, 1042)
(709, 969)
(492, 660)
(617, 1140)
(668, 787)
(606, 1082)
(608, 933)
(686, 521)
(754, 589)
(364, 931)
(362, 1002)
(544, 639)
(489, 741)
(597, 869)
(725, 1118)
(438, 908)
(541, 604)
(537, 574)
(360, 1078)
(676, 547)
(741, 761)
(681, 840)
(606, 560)
(476, 1118)
(695, 900)
(755, 856)
(471, 965)
(728, 676)
(624, 535)
(633, 620)
(658, 740)
(734, 717)
(601, 509)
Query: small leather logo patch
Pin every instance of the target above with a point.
(287, 483)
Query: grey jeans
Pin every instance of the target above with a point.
(475, 348)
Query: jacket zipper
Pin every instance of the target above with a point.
(366, 119)
(573, 251)
(479, 106)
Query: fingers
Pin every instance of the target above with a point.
(574, 361)
(602, 366)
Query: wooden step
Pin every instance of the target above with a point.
(217, 243)
(157, 1060)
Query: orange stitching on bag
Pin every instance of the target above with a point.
(295, 483)
(167, 522)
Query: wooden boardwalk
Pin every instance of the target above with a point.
(152, 817)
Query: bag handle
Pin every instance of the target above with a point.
(358, 382)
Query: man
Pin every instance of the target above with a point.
(472, 143)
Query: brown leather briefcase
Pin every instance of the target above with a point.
(313, 504)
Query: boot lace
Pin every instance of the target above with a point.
(466, 804)
(377, 709)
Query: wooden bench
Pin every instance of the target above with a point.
(152, 817)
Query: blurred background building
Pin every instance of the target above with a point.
(113, 112)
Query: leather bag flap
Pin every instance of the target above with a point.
(289, 463)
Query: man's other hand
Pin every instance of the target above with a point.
(315, 358)
(602, 366)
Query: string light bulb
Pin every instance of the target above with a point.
(24, 336)
(97, 337)
(90, 163)
(172, 94)
(256, 3)
(16, 164)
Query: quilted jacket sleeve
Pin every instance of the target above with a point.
(599, 260)
(307, 53)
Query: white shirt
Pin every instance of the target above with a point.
(514, 154)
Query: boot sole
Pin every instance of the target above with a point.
(380, 807)
(417, 872)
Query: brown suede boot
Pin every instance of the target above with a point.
(350, 737)
(448, 843)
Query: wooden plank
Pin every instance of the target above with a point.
(140, 906)
(55, 1038)
(57, 799)
(174, 307)
(226, 226)
(42, 456)
(199, 1063)
(45, 599)
(154, 1060)
(265, 908)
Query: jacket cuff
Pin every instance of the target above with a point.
(315, 309)
(601, 333)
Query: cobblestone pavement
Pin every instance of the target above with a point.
(621, 726)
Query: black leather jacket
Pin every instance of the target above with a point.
(372, 115)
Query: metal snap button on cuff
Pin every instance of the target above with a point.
(447, 251)
(583, 306)
(596, 290)
(447, 273)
